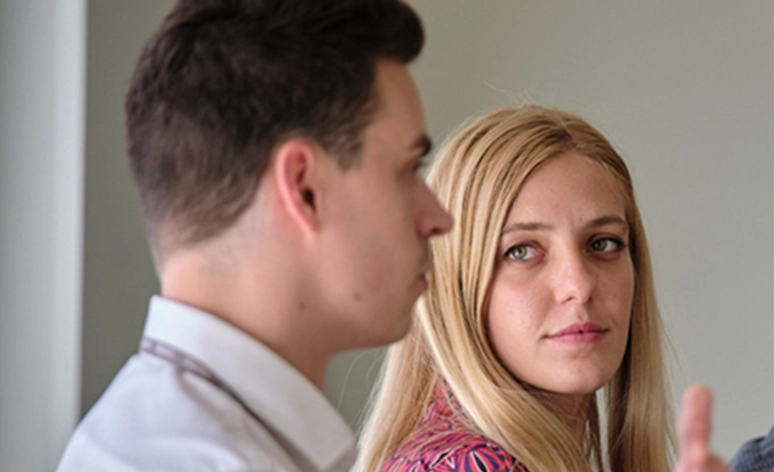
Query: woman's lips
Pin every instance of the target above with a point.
(579, 333)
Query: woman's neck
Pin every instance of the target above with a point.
(572, 410)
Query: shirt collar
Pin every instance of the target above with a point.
(284, 399)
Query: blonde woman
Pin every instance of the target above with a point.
(540, 296)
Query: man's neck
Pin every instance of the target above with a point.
(268, 310)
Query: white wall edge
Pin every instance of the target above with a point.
(67, 264)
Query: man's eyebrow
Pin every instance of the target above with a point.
(536, 226)
(423, 143)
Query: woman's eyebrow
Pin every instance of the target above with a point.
(606, 220)
(525, 226)
(538, 226)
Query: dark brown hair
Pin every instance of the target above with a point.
(223, 82)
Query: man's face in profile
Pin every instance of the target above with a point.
(384, 215)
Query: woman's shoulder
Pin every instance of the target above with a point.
(448, 447)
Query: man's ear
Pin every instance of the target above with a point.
(296, 171)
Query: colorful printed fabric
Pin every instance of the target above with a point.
(447, 442)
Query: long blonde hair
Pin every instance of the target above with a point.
(477, 175)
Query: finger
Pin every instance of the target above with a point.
(716, 464)
(695, 423)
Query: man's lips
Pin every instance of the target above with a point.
(425, 268)
(579, 333)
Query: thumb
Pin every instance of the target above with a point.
(694, 429)
(694, 426)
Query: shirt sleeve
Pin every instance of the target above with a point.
(756, 455)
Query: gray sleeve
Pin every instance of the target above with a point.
(756, 455)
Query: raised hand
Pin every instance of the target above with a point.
(694, 428)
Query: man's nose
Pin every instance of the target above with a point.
(435, 220)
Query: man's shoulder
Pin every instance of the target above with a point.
(153, 417)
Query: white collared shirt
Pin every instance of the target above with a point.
(155, 416)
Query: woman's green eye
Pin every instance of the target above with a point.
(521, 252)
(606, 245)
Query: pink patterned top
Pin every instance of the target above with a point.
(447, 442)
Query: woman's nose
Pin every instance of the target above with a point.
(575, 279)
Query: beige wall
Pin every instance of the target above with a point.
(118, 276)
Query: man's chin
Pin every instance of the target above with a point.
(396, 332)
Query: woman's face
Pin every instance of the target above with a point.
(561, 297)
